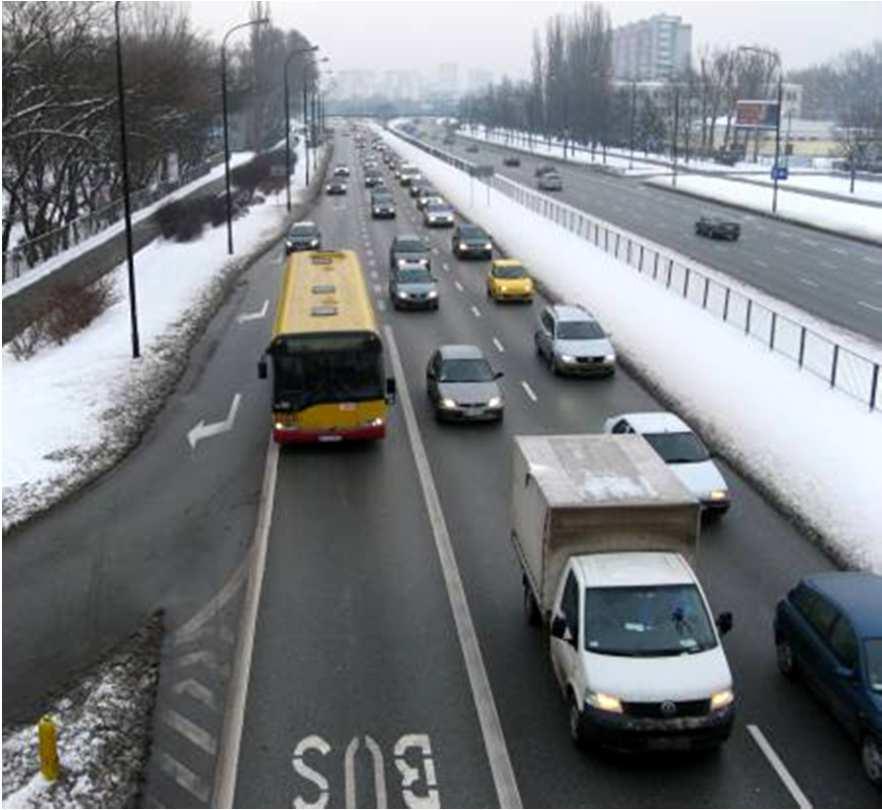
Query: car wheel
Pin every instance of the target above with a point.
(531, 609)
(786, 660)
(577, 731)
(871, 759)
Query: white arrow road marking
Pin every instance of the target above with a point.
(203, 431)
(254, 316)
(498, 345)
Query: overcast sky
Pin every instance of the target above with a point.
(497, 35)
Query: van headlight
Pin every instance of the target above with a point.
(603, 702)
(719, 700)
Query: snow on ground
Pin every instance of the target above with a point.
(815, 450)
(49, 450)
(103, 727)
(29, 276)
(862, 221)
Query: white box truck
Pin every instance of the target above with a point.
(604, 532)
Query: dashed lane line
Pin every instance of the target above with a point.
(778, 766)
(529, 391)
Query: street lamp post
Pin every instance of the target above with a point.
(226, 128)
(124, 154)
(294, 53)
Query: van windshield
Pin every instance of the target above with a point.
(647, 621)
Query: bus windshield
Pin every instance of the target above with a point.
(315, 369)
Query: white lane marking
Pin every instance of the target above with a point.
(488, 717)
(457, 285)
(254, 316)
(872, 259)
(775, 761)
(529, 391)
(840, 251)
(498, 345)
(189, 730)
(231, 738)
(809, 242)
(760, 262)
(475, 311)
(870, 306)
(202, 431)
(808, 282)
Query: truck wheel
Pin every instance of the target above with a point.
(577, 733)
(531, 610)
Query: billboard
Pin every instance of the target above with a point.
(756, 114)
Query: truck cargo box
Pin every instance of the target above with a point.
(594, 493)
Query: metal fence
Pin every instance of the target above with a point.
(28, 255)
(841, 368)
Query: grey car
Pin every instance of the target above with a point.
(409, 249)
(572, 341)
(462, 386)
(413, 288)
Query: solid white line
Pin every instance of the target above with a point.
(476, 312)
(530, 392)
(498, 345)
(231, 737)
(457, 285)
(808, 282)
(488, 717)
(869, 306)
(789, 782)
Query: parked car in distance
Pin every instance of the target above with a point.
(828, 634)
(303, 236)
(511, 160)
(336, 187)
(718, 228)
(341, 171)
(472, 147)
(471, 242)
(438, 215)
(413, 287)
(550, 181)
(508, 280)
(462, 386)
(409, 249)
(681, 449)
(573, 342)
(382, 205)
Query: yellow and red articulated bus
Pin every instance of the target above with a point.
(329, 382)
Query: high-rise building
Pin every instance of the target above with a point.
(652, 50)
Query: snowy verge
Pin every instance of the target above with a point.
(109, 398)
(103, 728)
(814, 452)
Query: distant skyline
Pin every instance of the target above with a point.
(498, 35)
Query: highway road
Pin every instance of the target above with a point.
(833, 277)
(359, 686)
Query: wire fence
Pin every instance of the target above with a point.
(840, 367)
(29, 255)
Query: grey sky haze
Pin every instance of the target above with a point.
(497, 35)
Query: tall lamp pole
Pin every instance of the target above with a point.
(226, 126)
(291, 55)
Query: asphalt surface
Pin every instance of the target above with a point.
(354, 637)
(355, 646)
(835, 278)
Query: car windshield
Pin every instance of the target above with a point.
(647, 621)
(466, 370)
(873, 648)
(410, 246)
(472, 232)
(678, 448)
(516, 271)
(416, 275)
(580, 330)
(303, 230)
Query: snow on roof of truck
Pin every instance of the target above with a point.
(600, 470)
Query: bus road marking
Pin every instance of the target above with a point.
(529, 391)
(498, 345)
(778, 766)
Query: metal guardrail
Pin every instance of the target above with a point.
(841, 368)
(29, 255)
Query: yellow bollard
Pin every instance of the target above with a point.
(48, 748)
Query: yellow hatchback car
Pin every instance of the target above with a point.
(508, 280)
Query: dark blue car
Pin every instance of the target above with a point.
(828, 632)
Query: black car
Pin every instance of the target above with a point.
(303, 236)
(409, 250)
(471, 242)
(413, 287)
(382, 205)
(335, 187)
(511, 160)
(718, 228)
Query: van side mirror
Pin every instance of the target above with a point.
(558, 627)
(390, 390)
(261, 369)
(724, 623)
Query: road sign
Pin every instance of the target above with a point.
(779, 172)
(483, 171)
